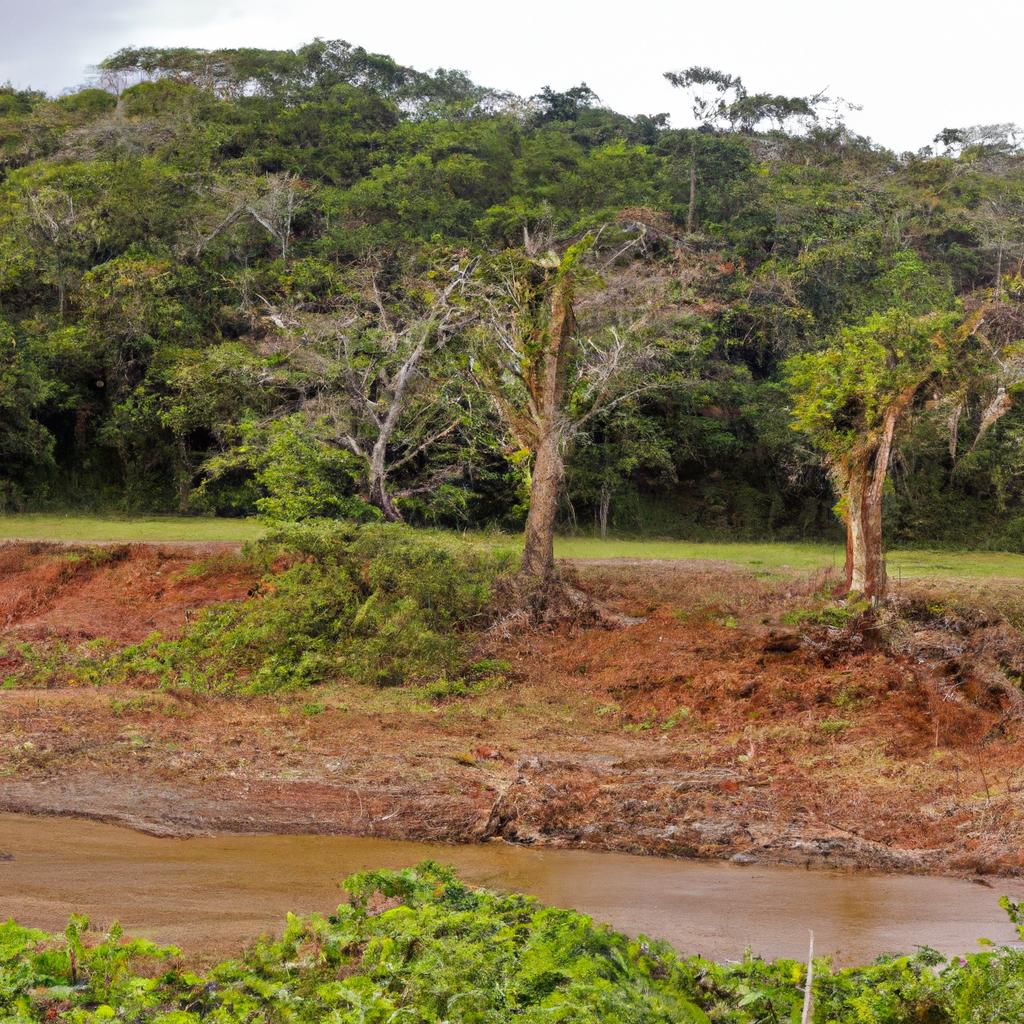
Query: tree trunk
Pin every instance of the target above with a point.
(865, 561)
(184, 473)
(691, 210)
(604, 502)
(380, 497)
(377, 484)
(865, 485)
(539, 549)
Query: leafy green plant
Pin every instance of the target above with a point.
(680, 715)
(377, 603)
(837, 616)
(834, 726)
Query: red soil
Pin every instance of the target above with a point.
(50, 592)
(707, 729)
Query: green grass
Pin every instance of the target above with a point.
(911, 563)
(757, 556)
(112, 528)
(761, 555)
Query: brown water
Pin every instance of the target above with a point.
(210, 895)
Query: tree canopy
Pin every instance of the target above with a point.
(202, 253)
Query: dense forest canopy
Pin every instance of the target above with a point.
(312, 282)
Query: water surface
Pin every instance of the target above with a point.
(210, 895)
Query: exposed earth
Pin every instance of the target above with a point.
(708, 729)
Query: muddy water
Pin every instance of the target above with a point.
(210, 895)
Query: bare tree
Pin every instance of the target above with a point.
(274, 209)
(999, 221)
(373, 371)
(54, 224)
(272, 204)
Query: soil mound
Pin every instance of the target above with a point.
(116, 593)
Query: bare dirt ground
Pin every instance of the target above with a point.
(709, 729)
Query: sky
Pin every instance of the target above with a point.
(913, 66)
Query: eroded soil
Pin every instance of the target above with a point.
(709, 729)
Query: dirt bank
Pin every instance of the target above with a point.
(707, 730)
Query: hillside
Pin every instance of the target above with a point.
(210, 262)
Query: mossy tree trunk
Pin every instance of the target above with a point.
(539, 548)
(863, 479)
(546, 382)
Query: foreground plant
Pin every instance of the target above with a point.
(418, 945)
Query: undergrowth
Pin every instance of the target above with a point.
(833, 614)
(419, 946)
(375, 603)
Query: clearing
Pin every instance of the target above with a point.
(709, 729)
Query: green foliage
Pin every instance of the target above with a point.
(380, 604)
(24, 443)
(296, 475)
(842, 393)
(419, 945)
(837, 616)
(141, 255)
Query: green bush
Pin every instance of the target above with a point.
(419, 946)
(838, 616)
(376, 603)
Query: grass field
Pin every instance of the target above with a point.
(772, 555)
(104, 528)
(758, 556)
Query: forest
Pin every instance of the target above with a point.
(318, 283)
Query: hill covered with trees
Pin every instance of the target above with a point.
(319, 283)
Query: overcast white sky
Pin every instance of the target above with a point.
(915, 66)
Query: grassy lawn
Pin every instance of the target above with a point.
(111, 528)
(798, 556)
(766, 556)
(754, 555)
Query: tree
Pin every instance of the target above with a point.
(626, 445)
(272, 203)
(545, 379)
(370, 365)
(562, 106)
(850, 398)
(718, 99)
(24, 443)
(711, 94)
(853, 397)
(54, 224)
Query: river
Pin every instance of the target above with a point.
(212, 894)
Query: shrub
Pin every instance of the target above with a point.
(376, 603)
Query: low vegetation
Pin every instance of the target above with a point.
(128, 530)
(377, 603)
(418, 945)
(758, 556)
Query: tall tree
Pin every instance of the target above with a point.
(711, 93)
(719, 100)
(545, 378)
(853, 397)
